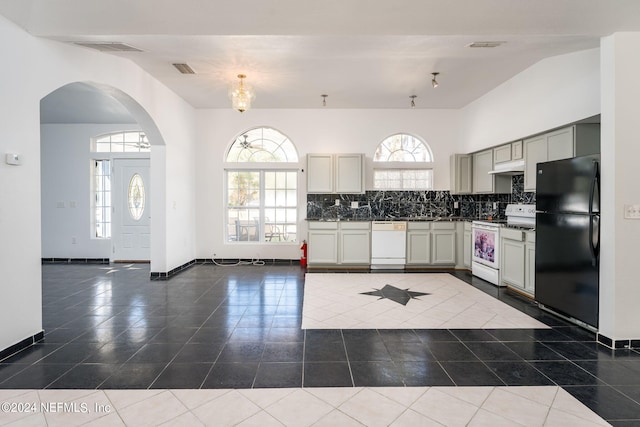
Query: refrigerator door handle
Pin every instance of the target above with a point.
(594, 232)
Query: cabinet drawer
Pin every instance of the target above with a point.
(517, 235)
(448, 225)
(355, 225)
(467, 226)
(323, 225)
(418, 225)
(531, 236)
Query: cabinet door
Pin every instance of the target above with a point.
(355, 247)
(444, 247)
(482, 165)
(323, 247)
(418, 247)
(349, 173)
(560, 144)
(535, 151)
(512, 265)
(516, 150)
(530, 270)
(461, 173)
(468, 248)
(320, 173)
(502, 154)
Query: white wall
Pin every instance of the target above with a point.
(66, 180)
(619, 283)
(312, 131)
(552, 93)
(38, 68)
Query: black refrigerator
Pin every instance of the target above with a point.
(568, 238)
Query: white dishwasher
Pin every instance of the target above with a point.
(388, 244)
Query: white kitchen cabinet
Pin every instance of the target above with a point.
(502, 154)
(517, 266)
(320, 173)
(335, 173)
(467, 245)
(530, 263)
(560, 144)
(339, 243)
(535, 151)
(431, 243)
(349, 176)
(483, 181)
(322, 243)
(355, 243)
(461, 171)
(443, 240)
(516, 150)
(419, 243)
(565, 143)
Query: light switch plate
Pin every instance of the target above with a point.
(354, 205)
(632, 211)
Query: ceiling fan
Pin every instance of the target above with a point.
(248, 145)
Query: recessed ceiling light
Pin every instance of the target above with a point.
(486, 44)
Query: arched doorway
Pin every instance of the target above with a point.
(74, 173)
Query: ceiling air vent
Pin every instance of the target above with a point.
(184, 68)
(485, 44)
(108, 46)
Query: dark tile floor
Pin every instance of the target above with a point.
(110, 327)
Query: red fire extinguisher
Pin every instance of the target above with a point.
(303, 255)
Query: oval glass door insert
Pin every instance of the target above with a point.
(136, 197)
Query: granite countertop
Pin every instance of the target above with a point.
(415, 218)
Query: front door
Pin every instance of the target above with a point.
(131, 211)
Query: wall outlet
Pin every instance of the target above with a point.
(495, 205)
(456, 205)
(632, 211)
(337, 202)
(354, 205)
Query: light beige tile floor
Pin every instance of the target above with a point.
(335, 301)
(384, 406)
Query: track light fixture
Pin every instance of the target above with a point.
(413, 100)
(434, 82)
(324, 100)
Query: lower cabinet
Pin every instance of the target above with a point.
(467, 245)
(431, 243)
(335, 243)
(517, 266)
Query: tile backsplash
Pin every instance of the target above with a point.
(389, 205)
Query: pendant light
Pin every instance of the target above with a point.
(241, 95)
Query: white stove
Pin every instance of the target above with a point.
(485, 259)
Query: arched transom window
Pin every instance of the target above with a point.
(262, 144)
(403, 162)
(261, 173)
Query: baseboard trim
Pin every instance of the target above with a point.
(618, 344)
(21, 345)
(223, 262)
(75, 260)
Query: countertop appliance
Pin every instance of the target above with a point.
(485, 259)
(388, 244)
(568, 238)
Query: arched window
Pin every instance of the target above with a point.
(262, 144)
(261, 172)
(403, 162)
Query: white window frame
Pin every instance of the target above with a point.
(403, 166)
(261, 168)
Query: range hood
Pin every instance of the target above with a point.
(509, 168)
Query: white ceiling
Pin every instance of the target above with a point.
(362, 53)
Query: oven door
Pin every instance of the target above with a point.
(486, 245)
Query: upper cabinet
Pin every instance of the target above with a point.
(461, 169)
(485, 182)
(335, 173)
(572, 141)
